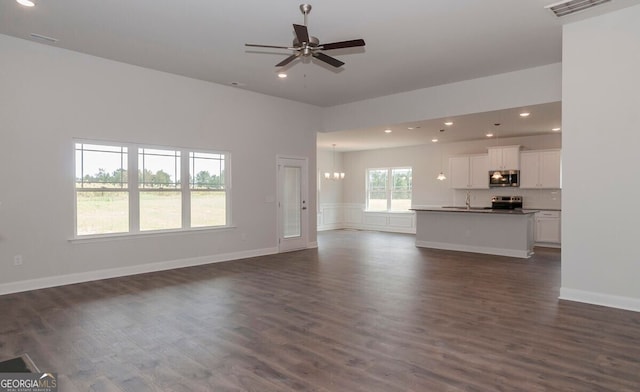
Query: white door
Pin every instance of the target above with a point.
(293, 211)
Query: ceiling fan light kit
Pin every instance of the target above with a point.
(308, 46)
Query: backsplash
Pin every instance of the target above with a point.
(539, 199)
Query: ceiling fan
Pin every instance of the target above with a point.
(305, 45)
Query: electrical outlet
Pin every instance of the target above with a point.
(17, 260)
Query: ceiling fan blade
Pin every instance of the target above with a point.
(287, 60)
(343, 44)
(269, 46)
(328, 59)
(301, 33)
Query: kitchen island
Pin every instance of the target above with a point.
(479, 230)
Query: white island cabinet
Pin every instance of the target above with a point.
(495, 232)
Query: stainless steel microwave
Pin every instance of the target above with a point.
(504, 178)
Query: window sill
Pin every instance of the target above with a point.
(145, 234)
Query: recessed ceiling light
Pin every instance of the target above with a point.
(555, 129)
(410, 128)
(489, 134)
(237, 84)
(524, 114)
(434, 140)
(26, 3)
(387, 131)
(282, 75)
(449, 123)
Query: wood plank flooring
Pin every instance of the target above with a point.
(365, 312)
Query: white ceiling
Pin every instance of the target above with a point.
(542, 120)
(411, 44)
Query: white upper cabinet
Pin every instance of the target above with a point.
(469, 172)
(540, 169)
(504, 158)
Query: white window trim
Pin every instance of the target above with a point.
(134, 192)
(389, 188)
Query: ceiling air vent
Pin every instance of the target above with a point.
(565, 8)
(43, 38)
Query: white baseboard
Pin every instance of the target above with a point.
(61, 280)
(548, 245)
(475, 249)
(312, 245)
(334, 226)
(590, 297)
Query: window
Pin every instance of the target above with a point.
(389, 189)
(159, 186)
(208, 191)
(102, 191)
(109, 201)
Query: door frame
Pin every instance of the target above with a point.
(304, 190)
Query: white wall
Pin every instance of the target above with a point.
(520, 88)
(330, 190)
(601, 136)
(427, 161)
(49, 96)
(330, 211)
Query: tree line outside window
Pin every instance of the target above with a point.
(108, 201)
(389, 189)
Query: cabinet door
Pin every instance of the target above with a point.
(548, 230)
(549, 169)
(479, 171)
(511, 158)
(529, 170)
(548, 227)
(459, 172)
(495, 158)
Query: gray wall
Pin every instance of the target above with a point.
(48, 96)
(601, 138)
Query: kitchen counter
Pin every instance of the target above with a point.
(478, 210)
(479, 230)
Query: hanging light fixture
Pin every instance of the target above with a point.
(496, 174)
(441, 176)
(335, 175)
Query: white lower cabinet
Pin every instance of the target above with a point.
(548, 228)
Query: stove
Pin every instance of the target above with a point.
(506, 202)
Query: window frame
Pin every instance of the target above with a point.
(389, 187)
(134, 189)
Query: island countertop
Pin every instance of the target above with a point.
(478, 210)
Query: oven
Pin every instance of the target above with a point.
(506, 202)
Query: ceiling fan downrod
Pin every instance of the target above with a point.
(305, 9)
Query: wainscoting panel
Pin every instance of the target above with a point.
(375, 219)
(354, 216)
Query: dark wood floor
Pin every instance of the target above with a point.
(365, 312)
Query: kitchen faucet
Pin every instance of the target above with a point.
(467, 202)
